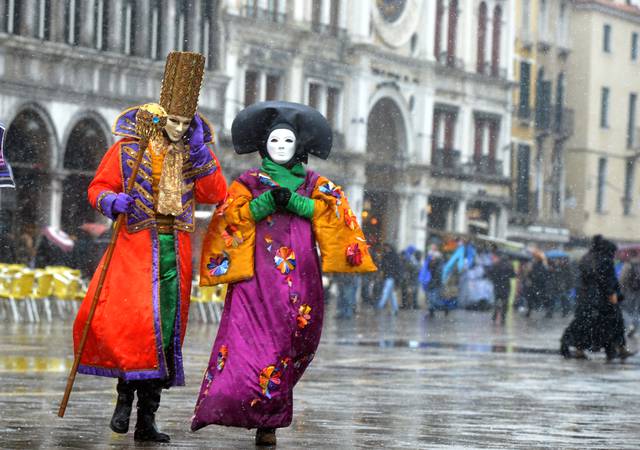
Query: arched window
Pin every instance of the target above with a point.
(129, 27)
(155, 38)
(482, 36)
(101, 24)
(452, 32)
(495, 51)
(43, 19)
(85, 147)
(72, 21)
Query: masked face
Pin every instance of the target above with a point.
(176, 127)
(281, 145)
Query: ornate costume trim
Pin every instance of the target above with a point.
(101, 197)
(209, 167)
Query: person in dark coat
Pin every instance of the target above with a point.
(409, 277)
(500, 274)
(390, 266)
(598, 321)
(537, 287)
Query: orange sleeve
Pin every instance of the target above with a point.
(343, 247)
(211, 188)
(108, 178)
(229, 244)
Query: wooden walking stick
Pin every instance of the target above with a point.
(150, 121)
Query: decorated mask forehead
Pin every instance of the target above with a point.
(281, 145)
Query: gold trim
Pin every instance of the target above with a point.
(200, 170)
(101, 197)
(113, 127)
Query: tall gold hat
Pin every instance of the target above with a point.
(183, 73)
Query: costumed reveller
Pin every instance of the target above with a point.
(137, 332)
(262, 242)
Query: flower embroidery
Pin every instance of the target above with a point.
(331, 189)
(270, 221)
(294, 298)
(218, 265)
(269, 380)
(304, 315)
(223, 207)
(266, 180)
(222, 357)
(354, 254)
(285, 260)
(269, 241)
(350, 219)
(232, 236)
(255, 401)
(289, 281)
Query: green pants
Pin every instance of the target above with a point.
(168, 288)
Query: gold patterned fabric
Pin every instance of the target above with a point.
(183, 73)
(169, 200)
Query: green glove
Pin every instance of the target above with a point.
(262, 206)
(301, 205)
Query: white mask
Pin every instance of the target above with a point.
(281, 145)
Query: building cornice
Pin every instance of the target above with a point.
(624, 12)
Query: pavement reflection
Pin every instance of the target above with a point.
(377, 381)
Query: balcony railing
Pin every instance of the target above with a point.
(450, 60)
(445, 161)
(327, 29)
(489, 70)
(564, 122)
(264, 14)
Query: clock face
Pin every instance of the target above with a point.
(391, 10)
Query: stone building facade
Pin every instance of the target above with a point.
(418, 93)
(603, 89)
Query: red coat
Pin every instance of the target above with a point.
(125, 339)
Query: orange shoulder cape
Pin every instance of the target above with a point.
(231, 236)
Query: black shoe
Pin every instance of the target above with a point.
(564, 351)
(148, 403)
(120, 419)
(265, 437)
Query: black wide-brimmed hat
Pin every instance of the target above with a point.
(252, 126)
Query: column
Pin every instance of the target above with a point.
(450, 225)
(461, 216)
(295, 82)
(298, 10)
(424, 125)
(234, 95)
(342, 19)
(357, 112)
(55, 201)
(355, 195)
(503, 222)
(325, 15)
(360, 23)
(493, 224)
(262, 86)
(419, 220)
(402, 234)
(428, 28)
(465, 124)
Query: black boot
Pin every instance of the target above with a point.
(148, 403)
(265, 437)
(122, 413)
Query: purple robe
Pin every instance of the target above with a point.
(270, 327)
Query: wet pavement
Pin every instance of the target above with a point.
(377, 382)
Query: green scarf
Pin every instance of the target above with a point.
(291, 178)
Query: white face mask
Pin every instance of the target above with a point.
(281, 145)
(176, 127)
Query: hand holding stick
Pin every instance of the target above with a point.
(150, 121)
